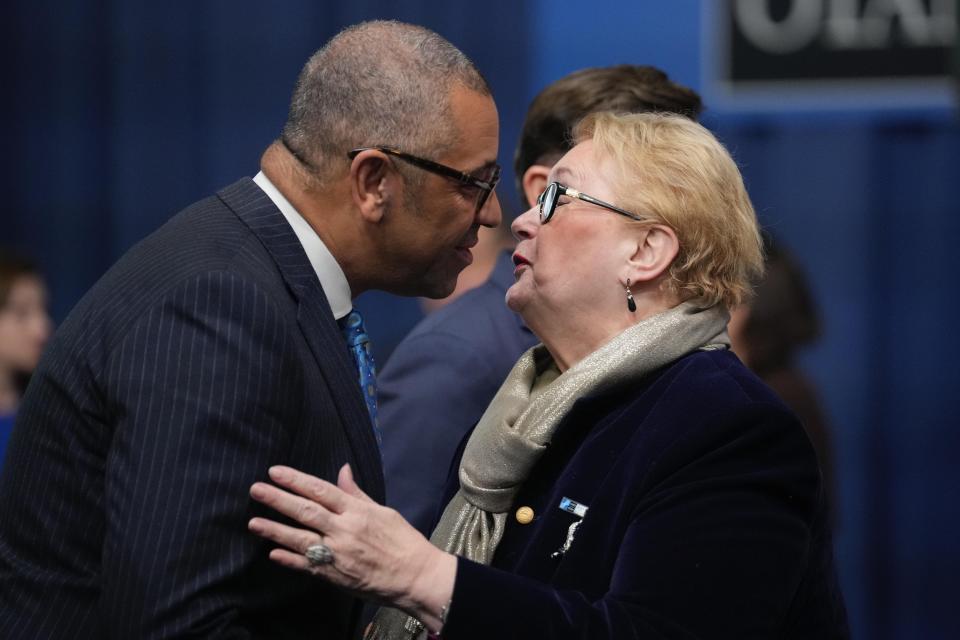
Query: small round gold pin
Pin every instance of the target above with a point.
(524, 515)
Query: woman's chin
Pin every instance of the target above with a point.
(516, 298)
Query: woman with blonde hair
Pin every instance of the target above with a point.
(631, 478)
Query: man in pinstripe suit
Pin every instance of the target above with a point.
(211, 351)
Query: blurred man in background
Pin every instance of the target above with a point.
(768, 332)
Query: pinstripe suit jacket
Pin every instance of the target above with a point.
(205, 355)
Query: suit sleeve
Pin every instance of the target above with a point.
(715, 549)
(204, 388)
(432, 391)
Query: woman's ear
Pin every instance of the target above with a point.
(372, 184)
(534, 182)
(656, 248)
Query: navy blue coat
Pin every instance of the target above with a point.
(705, 518)
(436, 386)
(205, 355)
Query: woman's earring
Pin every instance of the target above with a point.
(631, 305)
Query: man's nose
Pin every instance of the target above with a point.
(490, 214)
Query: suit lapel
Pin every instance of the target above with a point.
(316, 322)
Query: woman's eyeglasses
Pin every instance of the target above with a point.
(548, 202)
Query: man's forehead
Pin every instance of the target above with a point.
(470, 106)
(476, 119)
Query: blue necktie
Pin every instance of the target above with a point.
(359, 344)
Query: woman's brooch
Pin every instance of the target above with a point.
(577, 509)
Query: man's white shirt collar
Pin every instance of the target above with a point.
(331, 276)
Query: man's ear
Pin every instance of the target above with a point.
(373, 183)
(655, 250)
(534, 182)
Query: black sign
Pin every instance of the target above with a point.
(763, 44)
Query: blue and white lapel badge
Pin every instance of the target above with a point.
(577, 509)
(574, 507)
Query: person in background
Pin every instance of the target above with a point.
(226, 342)
(24, 329)
(768, 332)
(631, 478)
(444, 373)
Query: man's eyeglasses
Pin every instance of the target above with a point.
(548, 202)
(484, 183)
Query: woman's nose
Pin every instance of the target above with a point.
(525, 225)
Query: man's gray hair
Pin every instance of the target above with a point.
(381, 83)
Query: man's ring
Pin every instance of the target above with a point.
(319, 554)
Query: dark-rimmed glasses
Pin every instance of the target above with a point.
(548, 202)
(485, 184)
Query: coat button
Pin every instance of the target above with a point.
(524, 515)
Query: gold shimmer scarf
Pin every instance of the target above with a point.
(521, 419)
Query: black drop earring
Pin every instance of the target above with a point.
(631, 305)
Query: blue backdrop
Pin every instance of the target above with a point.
(117, 114)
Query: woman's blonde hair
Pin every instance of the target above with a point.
(672, 171)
